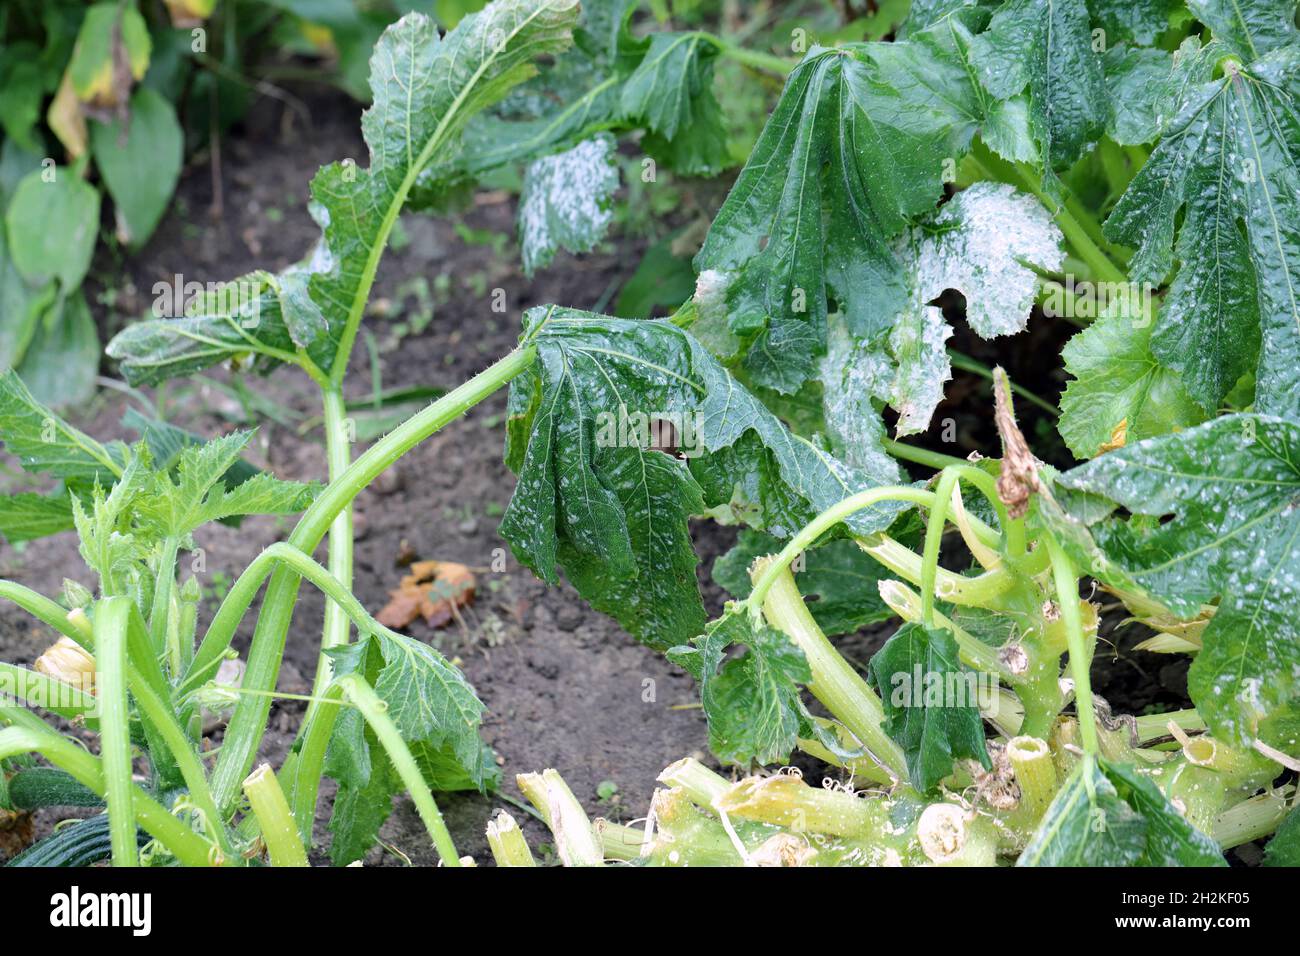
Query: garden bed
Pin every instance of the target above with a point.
(564, 686)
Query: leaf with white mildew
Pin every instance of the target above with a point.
(566, 201)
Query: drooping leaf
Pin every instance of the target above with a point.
(838, 579)
(856, 148)
(1229, 160)
(566, 200)
(983, 243)
(752, 703)
(597, 497)
(46, 444)
(1118, 382)
(245, 319)
(931, 706)
(1226, 493)
(671, 93)
(1046, 47)
(140, 161)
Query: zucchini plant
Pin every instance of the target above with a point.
(1131, 170)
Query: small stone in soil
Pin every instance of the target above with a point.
(389, 481)
(468, 527)
(568, 618)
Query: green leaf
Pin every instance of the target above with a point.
(21, 307)
(176, 506)
(425, 88)
(931, 704)
(61, 361)
(671, 94)
(52, 226)
(432, 704)
(1117, 380)
(1284, 848)
(1229, 531)
(597, 498)
(245, 317)
(566, 201)
(166, 442)
(22, 88)
(1087, 824)
(140, 161)
(1171, 840)
(46, 444)
(1138, 21)
(838, 580)
(752, 704)
(1046, 47)
(113, 38)
(1135, 77)
(1229, 161)
(1250, 28)
(28, 516)
(1111, 814)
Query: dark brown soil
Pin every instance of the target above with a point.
(564, 686)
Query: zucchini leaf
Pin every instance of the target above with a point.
(931, 708)
(438, 715)
(1229, 160)
(1284, 848)
(1118, 386)
(984, 243)
(566, 201)
(598, 498)
(856, 148)
(1046, 47)
(1110, 814)
(752, 703)
(1215, 519)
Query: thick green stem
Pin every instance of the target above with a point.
(823, 523)
(933, 538)
(507, 843)
(837, 685)
(112, 619)
(273, 818)
(983, 590)
(752, 58)
(247, 724)
(375, 711)
(160, 716)
(186, 845)
(922, 456)
(163, 584)
(1067, 597)
(46, 693)
(338, 450)
(44, 610)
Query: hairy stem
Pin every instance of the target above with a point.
(837, 685)
(248, 723)
(375, 711)
(112, 618)
(339, 454)
(1067, 596)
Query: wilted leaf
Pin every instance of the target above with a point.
(434, 590)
